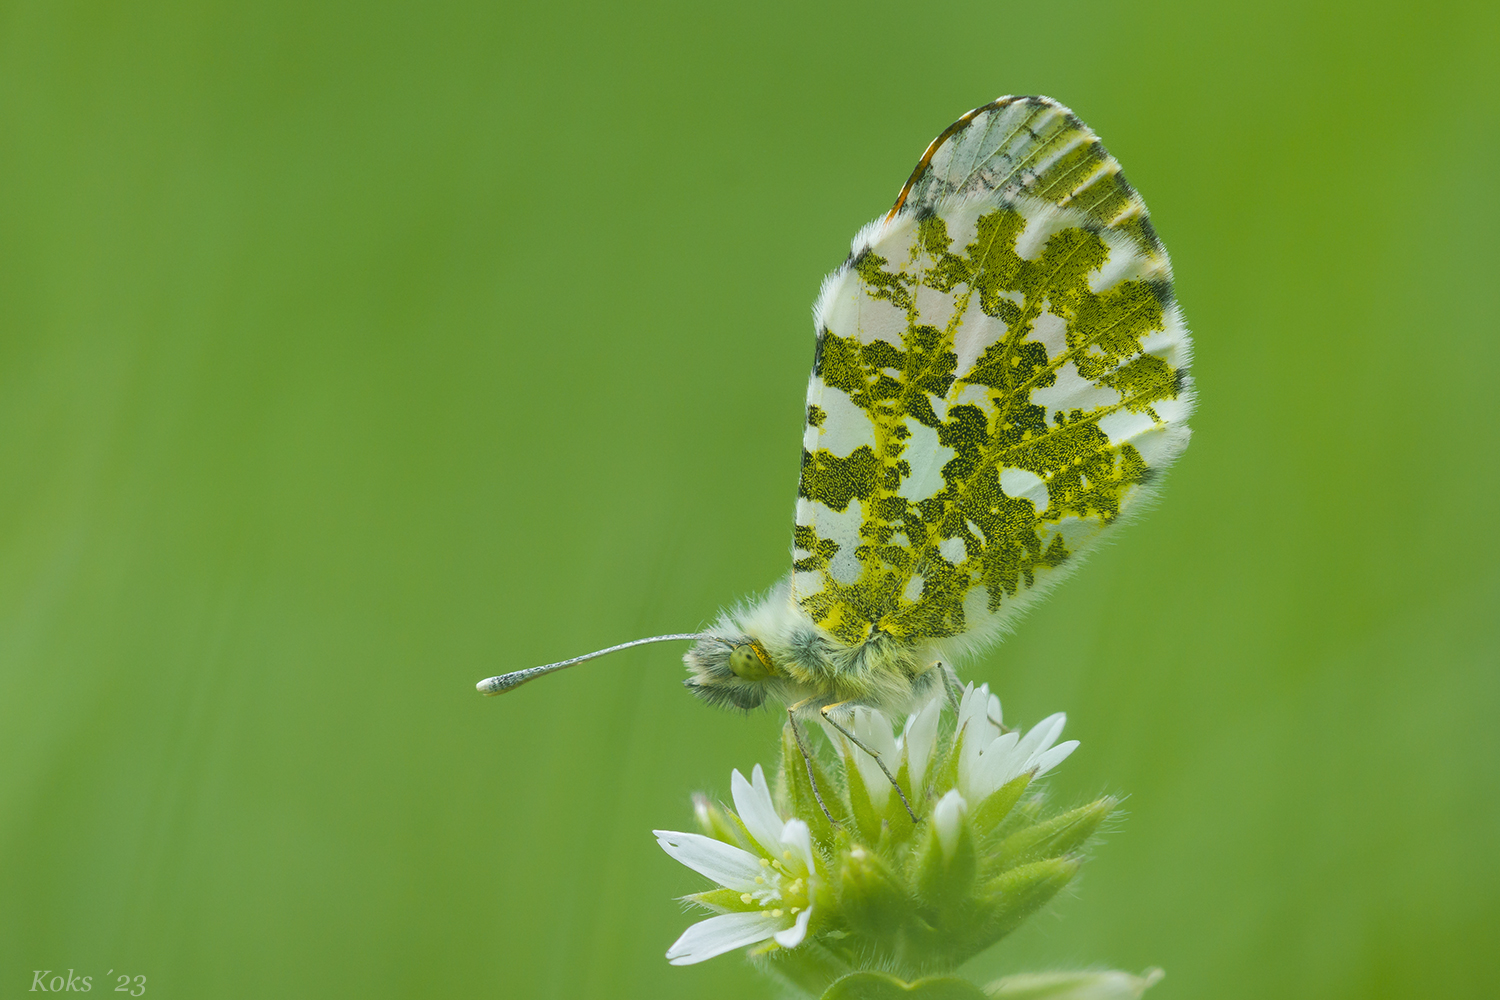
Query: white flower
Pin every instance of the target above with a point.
(918, 740)
(775, 885)
(990, 758)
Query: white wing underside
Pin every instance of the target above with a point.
(960, 271)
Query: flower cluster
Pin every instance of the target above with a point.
(840, 870)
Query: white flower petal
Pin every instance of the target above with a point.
(1001, 747)
(758, 779)
(996, 766)
(793, 935)
(974, 723)
(1047, 761)
(757, 811)
(798, 837)
(873, 730)
(995, 715)
(1042, 735)
(947, 816)
(724, 863)
(919, 740)
(988, 708)
(971, 703)
(716, 935)
(963, 701)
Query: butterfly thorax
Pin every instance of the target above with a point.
(773, 651)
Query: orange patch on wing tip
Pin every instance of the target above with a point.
(947, 134)
(934, 145)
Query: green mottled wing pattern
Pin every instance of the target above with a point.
(1001, 371)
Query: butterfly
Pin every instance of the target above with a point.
(1001, 375)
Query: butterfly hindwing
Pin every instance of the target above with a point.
(1001, 370)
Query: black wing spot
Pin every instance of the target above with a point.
(1162, 289)
(1149, 231)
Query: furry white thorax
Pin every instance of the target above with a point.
(893, 675)
(807, 663)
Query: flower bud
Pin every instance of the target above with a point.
(1056, 836)
(946, 861)
(874, 900)
(1020, 892)
(947, 820)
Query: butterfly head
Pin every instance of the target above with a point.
(730, 671)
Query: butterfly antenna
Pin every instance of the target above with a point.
(514, 679)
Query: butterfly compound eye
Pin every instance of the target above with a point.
(749, 663)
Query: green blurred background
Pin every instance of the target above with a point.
(351, 354)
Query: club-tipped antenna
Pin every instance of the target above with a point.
(514, 679)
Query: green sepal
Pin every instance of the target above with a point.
(799, 789)
(993, 810)
(810, 967)
(883, 986)
(722, 901)
(903, 778)
(1023, 814)
(945, 772)
(1073, 986)
(891, 838)
(1010, 898)
(943, 881)
(898, 827)
(866, 819)
(872, 897)
(719, 823)
(1056, 836)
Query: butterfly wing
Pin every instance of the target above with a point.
(1001, 371)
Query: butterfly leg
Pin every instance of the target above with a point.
(951, 687)
(873, 755)
(955, 691)
(791, 720)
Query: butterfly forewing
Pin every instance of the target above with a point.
(1001, 370)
